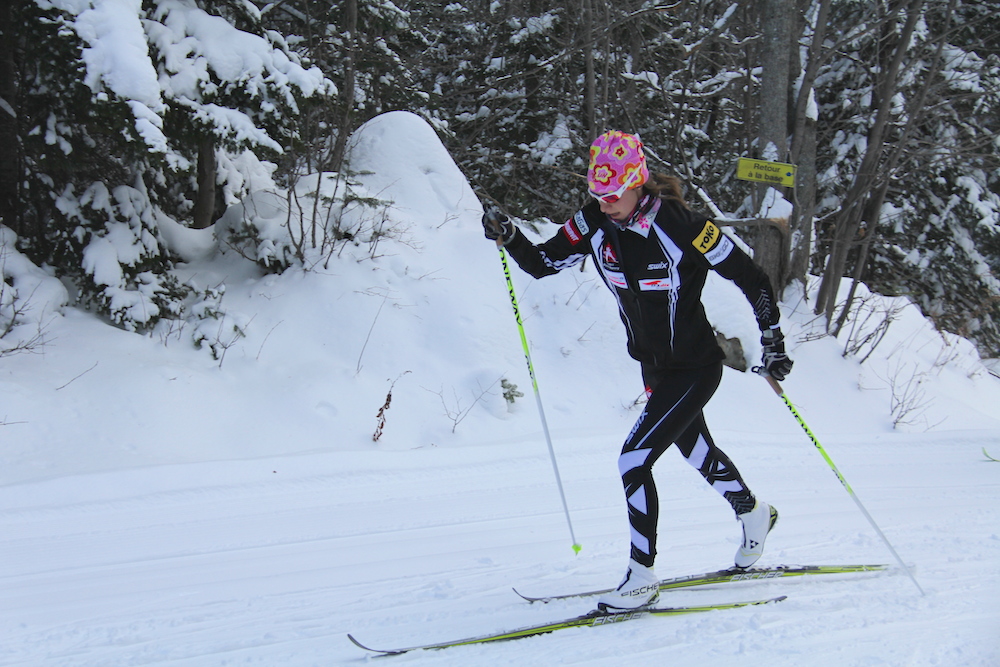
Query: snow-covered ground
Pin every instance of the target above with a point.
(158, 506)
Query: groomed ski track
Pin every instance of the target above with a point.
(275, 564)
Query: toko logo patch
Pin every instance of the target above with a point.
(708, 237)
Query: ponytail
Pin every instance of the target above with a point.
(666, 187)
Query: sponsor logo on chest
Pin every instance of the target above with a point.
(609, 258)
(612, 266)
(655, 284)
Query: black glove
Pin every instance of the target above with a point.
(496, 225)
(775, 361)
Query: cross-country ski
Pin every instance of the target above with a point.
(592, 619)
(732, 575)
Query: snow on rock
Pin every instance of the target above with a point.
(409, 162)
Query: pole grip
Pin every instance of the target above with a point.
(761, 371)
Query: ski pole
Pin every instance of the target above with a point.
(538, 396)
(781, 393)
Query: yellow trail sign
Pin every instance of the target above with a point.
(762, 171)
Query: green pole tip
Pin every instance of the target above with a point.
(576, 548)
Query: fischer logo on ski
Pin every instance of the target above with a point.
(746, 576)
(618, 617)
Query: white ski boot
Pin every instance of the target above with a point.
(640, 587)
(757, 523)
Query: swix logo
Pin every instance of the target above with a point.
(638, 423)
(704, 241)
(658, 266)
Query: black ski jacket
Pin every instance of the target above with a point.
(656, 268)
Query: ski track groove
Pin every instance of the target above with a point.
(186, 576)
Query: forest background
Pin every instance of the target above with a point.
(125, 122)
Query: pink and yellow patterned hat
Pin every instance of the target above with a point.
(617, 164)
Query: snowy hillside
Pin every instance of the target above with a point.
(160, 506)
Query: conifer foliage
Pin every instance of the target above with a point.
(112, 106)
(892, 117)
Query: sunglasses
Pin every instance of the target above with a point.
(612, 197)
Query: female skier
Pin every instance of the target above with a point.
(654, 253)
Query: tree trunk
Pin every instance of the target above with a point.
(343, 127)
(771, 247)
(204, 203)
(875, 205)
(870, 175)
(10, 155)
(804, 206)
(590, 76)
(803, 149)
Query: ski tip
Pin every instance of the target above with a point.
(528, 598)
(369, 648)
(357, 643)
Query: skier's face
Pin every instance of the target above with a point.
(621, 209)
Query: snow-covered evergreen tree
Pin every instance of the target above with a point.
(116, 100)
(934, 230)
(503, 84)
(117, 117)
